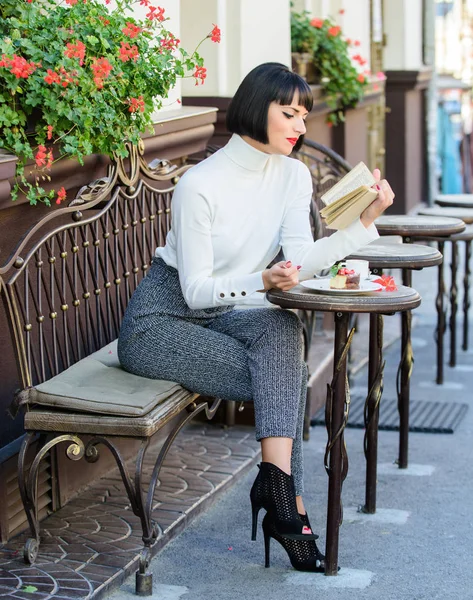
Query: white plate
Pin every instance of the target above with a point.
(323, 285)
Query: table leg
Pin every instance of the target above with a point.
(375, 390)
(466, 294)
(453, 306)
(403, 377)
(336, 460)
(441, 317)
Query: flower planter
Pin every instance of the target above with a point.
(303, 65)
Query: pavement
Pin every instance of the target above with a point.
(418, 545)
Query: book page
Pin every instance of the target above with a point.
(347, 216)
(344, 201)
(358, 176)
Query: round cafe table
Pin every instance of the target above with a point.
(338, 400)
(412, 228)
(387, 256)
(455, 200)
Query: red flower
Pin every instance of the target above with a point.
(19, 66)
(178, 101)
(170, 43)
(131, 30)
(144, 2)
(333, 31)
(200, 73)
(215, 34)
(72, 2)
(104, 20)
(75, 50)
(50, 159)
(348, 41)
(152, 14)
(128, 52)
(101, 68)
(380, 75)
(136, 104)
(387, 282)
(40, 157)
(357, 43)
(361, 78)
(341, 11)
(50, 132)
(318, 23)
(52, 77)
(61, 195)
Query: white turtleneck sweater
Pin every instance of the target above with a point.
(233, 212)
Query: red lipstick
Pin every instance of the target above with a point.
(292, 141)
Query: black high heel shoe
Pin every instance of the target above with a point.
(273, 489)
(303, 554)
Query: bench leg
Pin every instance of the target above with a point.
(28, 483)
(453, 306)
(141, 501)
(466, 294)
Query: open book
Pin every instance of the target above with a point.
(348, 198)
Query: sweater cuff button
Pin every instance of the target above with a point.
(233, 294)
(222, 295)
(243, 293)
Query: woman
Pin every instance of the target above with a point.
(232, 213)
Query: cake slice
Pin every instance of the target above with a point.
(345, 279)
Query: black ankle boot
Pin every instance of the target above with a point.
(303, 554)
(274, 490)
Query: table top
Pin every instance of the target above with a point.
(398, 256)
(410, 226)
(405, 298)
(458, 200)
(465, 214)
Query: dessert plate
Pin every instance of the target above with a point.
(323, 285)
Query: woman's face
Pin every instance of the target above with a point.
(286, 123)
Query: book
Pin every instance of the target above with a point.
(348, 198)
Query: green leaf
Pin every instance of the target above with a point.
(92, 40)
(29, 589)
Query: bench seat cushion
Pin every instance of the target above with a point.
(98, 384)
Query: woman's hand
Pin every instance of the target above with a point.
(283, 275)
(382, 202)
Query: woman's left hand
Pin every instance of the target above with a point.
(381, 203)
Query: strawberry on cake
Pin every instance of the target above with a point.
(345, 279)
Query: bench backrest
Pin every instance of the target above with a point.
(66, 286)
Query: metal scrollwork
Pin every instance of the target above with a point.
(328, 411)
(373, 399)
(406, 364)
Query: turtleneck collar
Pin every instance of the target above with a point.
(244, 155)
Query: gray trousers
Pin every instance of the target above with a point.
(254, 354)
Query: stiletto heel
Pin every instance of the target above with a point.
(267, 540)
(254, 520)
(256, 505)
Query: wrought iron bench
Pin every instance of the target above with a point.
(65, 289)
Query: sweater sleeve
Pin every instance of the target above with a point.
(191, 222)
(297, 241)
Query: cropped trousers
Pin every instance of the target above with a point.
(251, 354)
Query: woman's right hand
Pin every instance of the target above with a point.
(283, 275)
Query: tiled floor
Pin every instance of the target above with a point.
(95, 541)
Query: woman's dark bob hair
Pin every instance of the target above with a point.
(266, 83)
